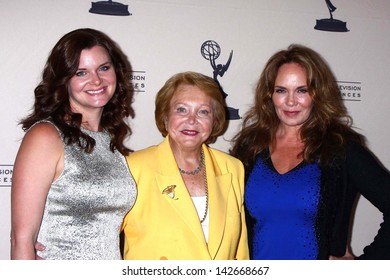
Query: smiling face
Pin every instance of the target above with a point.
(292, 101)
(94, 83)
(190, 119)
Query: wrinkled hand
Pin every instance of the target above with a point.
(39, 247)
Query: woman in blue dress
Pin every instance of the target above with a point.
(305, 164)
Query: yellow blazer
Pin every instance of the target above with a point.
(166, 226)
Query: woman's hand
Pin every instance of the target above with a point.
(39, 247)
(348, 255)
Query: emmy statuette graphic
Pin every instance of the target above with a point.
(109, 8)
(210, 50)
(331, 24)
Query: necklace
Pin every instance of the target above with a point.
(196, 171)
(207, 194)
(201, 165)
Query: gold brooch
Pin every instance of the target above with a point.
(170, 191)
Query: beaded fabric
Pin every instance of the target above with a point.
(86, 205)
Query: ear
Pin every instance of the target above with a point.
(166, 123)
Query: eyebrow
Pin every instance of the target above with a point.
(299, 87)
(105, 63)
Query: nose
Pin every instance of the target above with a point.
(192, 118)
(95, 79)
(291, 99)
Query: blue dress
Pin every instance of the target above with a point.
(284, 210)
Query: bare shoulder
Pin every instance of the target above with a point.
(44, 131)
(43, 136)
(40, 157)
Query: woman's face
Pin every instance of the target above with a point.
(190, 119)
(94, 83)
(292, 101)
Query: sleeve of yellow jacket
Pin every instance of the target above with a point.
(165, 225)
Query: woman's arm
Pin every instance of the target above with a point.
(39, 161)
(367, 175)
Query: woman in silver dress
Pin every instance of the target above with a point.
(71, 186)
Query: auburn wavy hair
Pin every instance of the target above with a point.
(328, 127)
(52, 93)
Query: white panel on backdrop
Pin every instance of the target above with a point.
(165, 37)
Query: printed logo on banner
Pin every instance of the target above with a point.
(138, 79)
(331, 24)
(210, 51)
(6, 174)
(109, 8)
(350, 91)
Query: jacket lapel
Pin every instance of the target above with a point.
(219, 186)
(174, 191)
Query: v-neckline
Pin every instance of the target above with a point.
(268, 160)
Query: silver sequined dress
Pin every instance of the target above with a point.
(85, 206)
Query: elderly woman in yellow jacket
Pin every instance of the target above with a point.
(190, 196)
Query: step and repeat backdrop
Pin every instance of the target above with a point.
(229, 40)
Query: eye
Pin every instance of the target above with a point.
(105, 68)
(181, 110)
(81, 73)
(279, 90)
(203, 112)
(302, 90)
